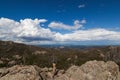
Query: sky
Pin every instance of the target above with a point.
(48, 22)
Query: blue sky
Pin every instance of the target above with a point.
(81, 22)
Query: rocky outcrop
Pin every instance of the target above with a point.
(92, 70)
(1, 62)
(17, 57)
(20, 73)
(39, 52)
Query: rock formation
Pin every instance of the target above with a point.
(91, 70)
(20, 73)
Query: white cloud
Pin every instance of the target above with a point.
(89, 35)
(42, 20)
(59, 25)
(25, 29)
(30, 31)
(83, 21)
(81, 6)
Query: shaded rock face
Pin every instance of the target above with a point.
(92, 70)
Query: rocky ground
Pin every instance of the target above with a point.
(91, 70)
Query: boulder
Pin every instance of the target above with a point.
(92, 70)
(1, 62)
(17, 57)
(12, 63)
(20, 73)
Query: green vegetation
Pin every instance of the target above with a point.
(64, 57)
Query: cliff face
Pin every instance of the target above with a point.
(91, 70)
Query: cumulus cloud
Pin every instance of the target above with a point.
(89, 35)
(81, 6)
(59, 25)
(30, 31)
(26, 29)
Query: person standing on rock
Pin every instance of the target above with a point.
(54, 67)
